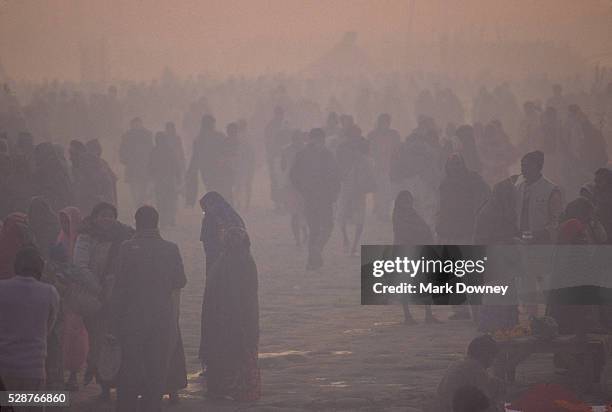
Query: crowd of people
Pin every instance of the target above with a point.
(94, 284)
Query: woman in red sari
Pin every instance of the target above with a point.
(231, 321)
(75, 341)
(14, 235)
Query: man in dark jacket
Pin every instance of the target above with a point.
(315, 175)
(150, 270)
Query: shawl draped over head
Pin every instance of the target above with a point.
(69, 232)
(230, 321)
(408, 226)
(219, 216)
(14, 235)
(43, 223)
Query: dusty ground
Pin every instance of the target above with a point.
(319, 349)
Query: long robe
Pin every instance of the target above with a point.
(149, 270)
(231, 322)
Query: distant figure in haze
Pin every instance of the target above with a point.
(467, 149)
(472, 371)
(44, 224)
(94, 147)
(384, 141)
(292, 199)
(15, 234)
(165, 173)
(176, 144)
(244, 168)
(357, 181)
(94, 182)
(210, 160)
(315, 175)
(51, 179)
(150, 271)
(230, 322)
(134, 154)
(462, 193)
(496, 152)
(219, 217)
(273, 135)
(410, 229)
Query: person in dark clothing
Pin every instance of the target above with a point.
(134, 154)
(410, 229)
(165, 172)
(94, 147)
(210, 159)
(465, 135)
(44, 224)
(315, 175)
(94, 182)
(462, 192)
(230, 322)
(149, 271)
(219, 217)
(51, 179)
(599, 192)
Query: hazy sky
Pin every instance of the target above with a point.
(40, 38)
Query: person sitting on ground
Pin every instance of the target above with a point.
(472, 371)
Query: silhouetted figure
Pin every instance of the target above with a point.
(44, 224)
(134, 154)
(244, 167)
(315, 175)
(94, 182)
(230, 348)
(165, 173)
(599, 192)
(210, 160)
(150, 271)
(51, 179)
(292, 199)
(384, 142)
(219, 217)
(410, 229)
(462, 193)
(274, 135)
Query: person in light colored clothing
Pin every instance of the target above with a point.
(28, 310)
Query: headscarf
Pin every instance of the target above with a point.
(14, 235)
(219, 216)
(67, 239)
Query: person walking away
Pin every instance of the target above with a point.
(165, 173)
(409, 228)
(149, 271)
(134, 154)
(315, 176)
(293, 201)
(384, 141)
